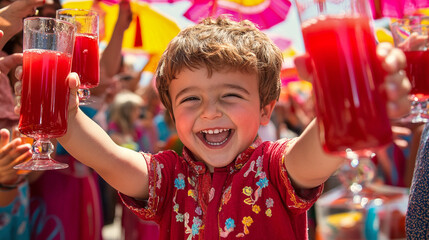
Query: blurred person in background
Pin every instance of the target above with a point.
(128, 129)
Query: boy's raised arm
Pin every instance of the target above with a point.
(85, 140)
(307, 163)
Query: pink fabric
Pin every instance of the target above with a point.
(265, 14)
(111, 2)
(252, 197)
(65, 204)
(396, 8)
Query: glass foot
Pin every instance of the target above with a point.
(40, 165)
(41, 159)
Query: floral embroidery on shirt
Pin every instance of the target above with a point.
(195, 228)
(198, 211)
(269, 203)
(211, 194)
(197, 223)
(179, 184)
(229, 227)
(179, 217)
(256, 209)
(248, 191)
(247, 221)
(191, 193)
(291, 191)
(254, 195)
(226, 196)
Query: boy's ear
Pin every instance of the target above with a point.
(266, 112)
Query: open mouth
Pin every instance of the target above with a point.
(215, 137)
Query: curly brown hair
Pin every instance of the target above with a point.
(222, 44)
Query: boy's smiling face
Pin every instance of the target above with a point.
(217, 117)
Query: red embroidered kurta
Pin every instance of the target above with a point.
(250, 198)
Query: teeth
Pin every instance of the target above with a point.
(216, 131)
(217, 144)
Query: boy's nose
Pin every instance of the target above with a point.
(211, 111)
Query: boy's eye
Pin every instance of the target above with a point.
(188, 99)
(233, 95)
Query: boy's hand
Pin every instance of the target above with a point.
(74, 83)
(396, 82)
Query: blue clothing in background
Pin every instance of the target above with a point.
(14, 218)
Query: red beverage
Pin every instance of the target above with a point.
(45, 93)
(350, 108)
(418, 72)
(86, 60)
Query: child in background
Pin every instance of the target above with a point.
(126, 128)
(220, 81)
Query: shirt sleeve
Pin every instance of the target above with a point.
(297, 200)
(160, 167)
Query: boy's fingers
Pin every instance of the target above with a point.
(393, 59)
(397, 85)
(74, 84)
(401, 131)
(74, 81)
(399, 108)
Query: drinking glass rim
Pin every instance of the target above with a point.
(77, 10)
(50, 18)
(406, 21)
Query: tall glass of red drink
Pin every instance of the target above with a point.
(86, 52)
(48, 48)
(347, 76)
(411, 35)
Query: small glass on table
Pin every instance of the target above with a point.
(48, 48)
(86, 49)
(411, 35)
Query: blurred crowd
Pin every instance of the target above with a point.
(75, 203)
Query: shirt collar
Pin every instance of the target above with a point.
(200, 168)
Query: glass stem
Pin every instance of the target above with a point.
(42, 149)
(356, 172)
(83, 94)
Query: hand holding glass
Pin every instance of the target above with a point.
(411, 35)
(48, 48)
(350, 106)
(85, 54)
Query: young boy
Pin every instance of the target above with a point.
(220, 81)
